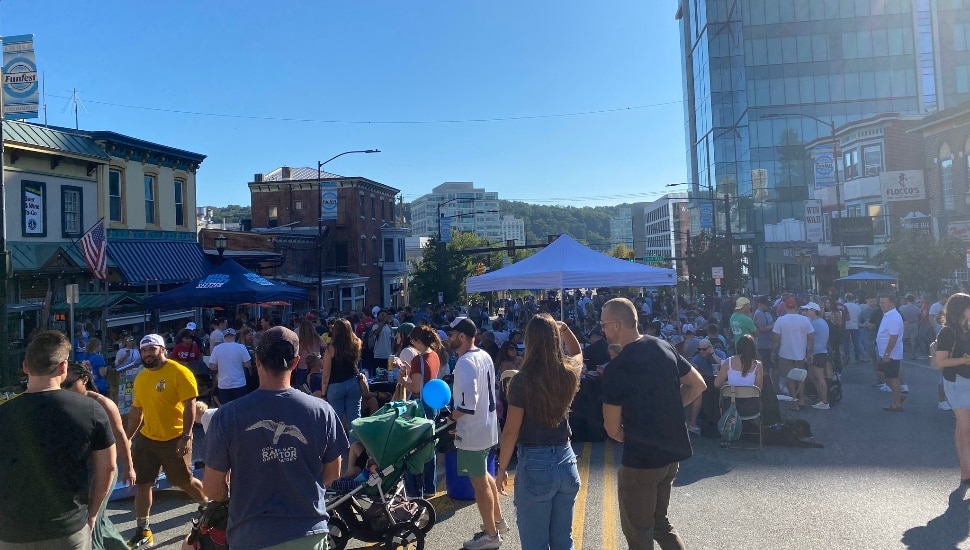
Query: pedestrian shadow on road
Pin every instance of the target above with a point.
(699, 468)
(945, 532)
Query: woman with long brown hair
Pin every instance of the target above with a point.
(310, 342)
(952, 357)
(423, 367)
(340, 385)
(537, 420)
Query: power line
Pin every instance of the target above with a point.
(384, 122)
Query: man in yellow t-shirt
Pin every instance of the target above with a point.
(164, 408)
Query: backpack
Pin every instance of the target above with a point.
(730, 424)
(209, 530)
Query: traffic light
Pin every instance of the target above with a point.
(480, 269)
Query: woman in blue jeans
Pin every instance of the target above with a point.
(537, 420)
(339, 383)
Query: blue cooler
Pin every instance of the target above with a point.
(460, 486)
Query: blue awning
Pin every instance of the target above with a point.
(159, 262)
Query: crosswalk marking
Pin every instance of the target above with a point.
(579, 512)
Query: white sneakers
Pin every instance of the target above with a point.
(944, 406)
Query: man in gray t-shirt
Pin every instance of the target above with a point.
(283, 448)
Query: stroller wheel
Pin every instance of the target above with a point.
(404, 536)
(425, 517)
(339, 534)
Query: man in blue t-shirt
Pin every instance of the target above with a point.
(283, 448)
(645, 390)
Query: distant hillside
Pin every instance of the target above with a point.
(590, 225)
(232, 213)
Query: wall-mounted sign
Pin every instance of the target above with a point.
(854, 230)
(960, 230)
(813, 221)
(857, 254)
(34, 199)
(905, 185)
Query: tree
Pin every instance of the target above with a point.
(921, 262)
(444, 268)
(709, 251)
(621, 251)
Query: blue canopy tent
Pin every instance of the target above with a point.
(230, 283)
(867, 276)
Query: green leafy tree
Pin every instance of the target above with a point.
(444, 268)
(232, 213)
(621, 251)
(709, 251)
(921, 262)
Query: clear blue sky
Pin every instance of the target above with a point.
(293, 65)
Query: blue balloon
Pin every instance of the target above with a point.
(436, 394)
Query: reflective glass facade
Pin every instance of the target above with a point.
(836, 60)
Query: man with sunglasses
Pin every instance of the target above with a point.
(50, 497)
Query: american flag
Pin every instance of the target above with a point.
(94, 247)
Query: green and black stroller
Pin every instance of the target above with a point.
(398, 438)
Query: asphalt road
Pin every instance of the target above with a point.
(882, 481)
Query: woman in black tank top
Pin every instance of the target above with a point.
(340, 384)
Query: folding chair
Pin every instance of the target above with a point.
(749, 409)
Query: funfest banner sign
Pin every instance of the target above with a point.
(20, 83)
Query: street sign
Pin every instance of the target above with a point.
(71, 293)
(653, 258)
(717, 282)
(717, 272)
(843, 268)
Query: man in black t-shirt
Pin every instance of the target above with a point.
(645, 390)
(49, 498)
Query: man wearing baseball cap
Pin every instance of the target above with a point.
(164, 398)
(476, 424)
(283, 447)
(741, 321)
(820, 366)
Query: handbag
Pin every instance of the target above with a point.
(950, 373)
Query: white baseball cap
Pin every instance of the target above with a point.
(151, 340)
(687, 328)
(190, 326)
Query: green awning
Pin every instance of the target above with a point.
(91, 302)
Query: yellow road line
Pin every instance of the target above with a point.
(610, 503)
(579, 512)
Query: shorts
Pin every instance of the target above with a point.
(785, 365)
(958, 392)
(150, 456)
(820, 360)
(890, 369)
(473, 463)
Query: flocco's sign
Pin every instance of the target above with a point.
(905, 185)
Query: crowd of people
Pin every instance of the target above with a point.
(283, 399)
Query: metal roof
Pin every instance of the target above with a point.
(298, 174)
(56, 141)
(159, 262)
(89, 302)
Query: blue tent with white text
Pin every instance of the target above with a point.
(230, 283)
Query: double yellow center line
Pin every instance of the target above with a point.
(610, 506)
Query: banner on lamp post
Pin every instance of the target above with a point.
(328, 201)
(824, 159)
(21, 90)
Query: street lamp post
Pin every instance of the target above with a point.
(221, 242)
(380, 267)
(320, 166)
(835, 165)
(449, 201)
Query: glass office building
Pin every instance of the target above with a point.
(835, 60)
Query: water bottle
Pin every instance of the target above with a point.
(392, 368)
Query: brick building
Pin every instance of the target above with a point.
(946, 153)
(359, 265)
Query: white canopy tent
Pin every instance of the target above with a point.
(566, 263)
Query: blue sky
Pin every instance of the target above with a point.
(282, 69)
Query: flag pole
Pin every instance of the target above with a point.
(77, 240)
